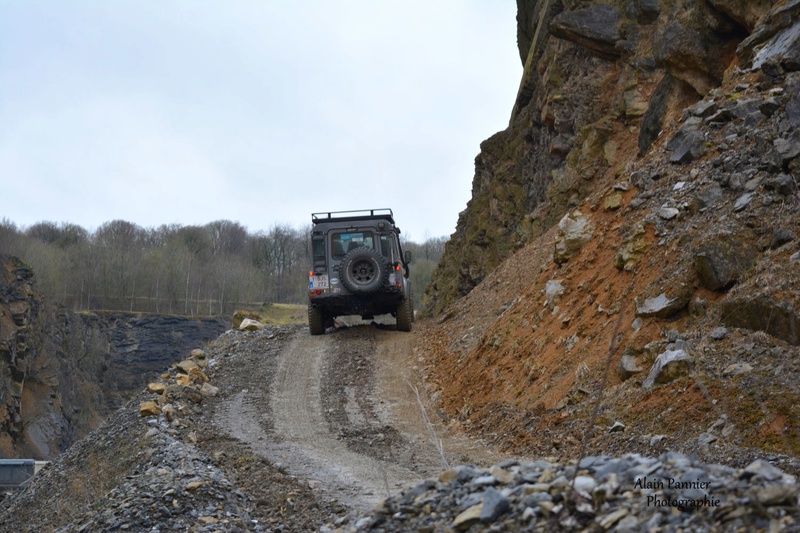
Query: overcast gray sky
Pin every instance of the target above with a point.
(262, 112)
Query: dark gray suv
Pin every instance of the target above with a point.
(357, 268)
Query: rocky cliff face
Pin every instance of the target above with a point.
(632, 237)
(603, 85)
(62, 373)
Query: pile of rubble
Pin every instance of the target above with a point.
(630, 493)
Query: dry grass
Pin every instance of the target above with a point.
(435, 440)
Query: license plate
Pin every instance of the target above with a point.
(319, 282)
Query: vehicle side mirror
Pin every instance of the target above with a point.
(407, 256)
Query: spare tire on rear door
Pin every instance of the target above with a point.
(363, 270)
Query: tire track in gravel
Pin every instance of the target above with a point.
(336, 411)
(283, 421)
(298, 421)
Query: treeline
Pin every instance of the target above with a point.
(191, 270)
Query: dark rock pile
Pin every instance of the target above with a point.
(630, 493)
(135, 473)
(171, 487)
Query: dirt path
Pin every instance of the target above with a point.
(299, 422)
(339, 412)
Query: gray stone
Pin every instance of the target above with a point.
(723, 259)
(669, 366)
(686, 145)
(752, 184)
(617, 427)
(743, 201)
(761, 469)
(736, 181)
(494, 504)
(783, 184)
(593, 28)
(777, 494)
(719, 333)
(706, 438)
(721, 116)
(768, 106)
(777, 20)
(705, 197)
(780, 237)
(627, 367)
(787, 149)
(704, 108)
(668, 213)
(661, 306)
(585, 484)
(484, 480)
(783, 49)
(653, 119)
(763, 313)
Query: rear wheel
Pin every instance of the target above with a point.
(316, 322)
(405, 314)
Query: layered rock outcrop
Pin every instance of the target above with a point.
(62, 373)
(604, 84)
(674, 134)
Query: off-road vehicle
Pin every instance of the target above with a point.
(357, 268)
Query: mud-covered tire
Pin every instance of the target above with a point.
(405, 314)
(363, 271)
(316, 321)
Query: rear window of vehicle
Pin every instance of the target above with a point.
(318, 248)
(343, 242)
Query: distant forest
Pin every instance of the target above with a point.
(173, 269)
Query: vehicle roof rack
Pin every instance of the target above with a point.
(347, 216)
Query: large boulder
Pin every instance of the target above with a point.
(693, 43)
(723, 259)
(668, 367)
(663, 305)
(775, 40)
(763, 313)
(574, 230)
(627, 367)
(687, 144)
(593, 28)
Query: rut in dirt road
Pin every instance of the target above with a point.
(309, 405)
(299, 420)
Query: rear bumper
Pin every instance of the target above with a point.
(379, 303)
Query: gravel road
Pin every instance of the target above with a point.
(340, 413)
